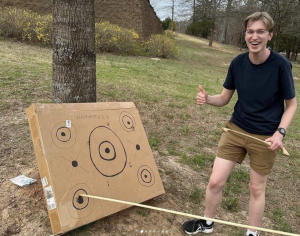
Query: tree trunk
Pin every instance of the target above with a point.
(288, 54)
(226, 19)
(212, 31)
(295, 49)
(74, 58)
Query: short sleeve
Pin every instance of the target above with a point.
(230, 80)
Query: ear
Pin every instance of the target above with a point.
(270, 36)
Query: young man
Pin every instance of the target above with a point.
(265, 108)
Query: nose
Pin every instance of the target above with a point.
(255, 35)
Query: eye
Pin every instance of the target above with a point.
(261, 32)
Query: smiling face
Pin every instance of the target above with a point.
(257, 37)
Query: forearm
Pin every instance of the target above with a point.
(217, 100)
(288, 114)
(286, 119)
(214, 100)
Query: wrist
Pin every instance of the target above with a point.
(282, 131)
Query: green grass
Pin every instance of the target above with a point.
(143, 212)
(281, 221)
(235, 183)
(154, 141)
(197, 195)
(84, 230)
(230, 204)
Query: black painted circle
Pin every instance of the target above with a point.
(146, 176)
(74, 163)
(79, 207)
(63, 134)
(107, 151)
(127, 121)
(79, 202)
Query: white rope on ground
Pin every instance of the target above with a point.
(190, 215)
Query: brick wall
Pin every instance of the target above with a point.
(133, 14)
(151, 23)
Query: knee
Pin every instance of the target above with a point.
(215, 184)
(257, 190)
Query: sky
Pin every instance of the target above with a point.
(163, 9)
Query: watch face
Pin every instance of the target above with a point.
(281, 130)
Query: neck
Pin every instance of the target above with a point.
(260, 57)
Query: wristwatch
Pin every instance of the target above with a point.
(282, 131)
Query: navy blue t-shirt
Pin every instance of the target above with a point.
(261, 92)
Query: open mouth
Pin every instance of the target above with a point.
(255, 43)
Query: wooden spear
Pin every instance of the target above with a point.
(189, 215)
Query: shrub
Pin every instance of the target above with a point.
(201, 29)
(165, 23)
(170, 34)
(28, 26)
(25, 25)
(112, 38)
(161, 46)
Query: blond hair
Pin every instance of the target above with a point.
(264, 16)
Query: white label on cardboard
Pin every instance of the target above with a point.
(50, 197)
(44, 181)
(68, 123)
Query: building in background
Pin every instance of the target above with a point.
(132, 14)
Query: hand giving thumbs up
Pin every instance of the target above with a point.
(201, 96)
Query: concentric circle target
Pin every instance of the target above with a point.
(127, 121)
(62, 136)
(145, 176)
(78, 201)
(80, 207)
(107, 152)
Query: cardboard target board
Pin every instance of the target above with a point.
(98, 149)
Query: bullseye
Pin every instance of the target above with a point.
(145, 176)
(127, 121)
(107, 152)
(78, 206)
(62, 136)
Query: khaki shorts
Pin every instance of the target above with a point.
(234, 147)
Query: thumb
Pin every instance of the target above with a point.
(267, 140)
(201, 89)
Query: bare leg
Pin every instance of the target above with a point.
(257, 198)
(221, 170)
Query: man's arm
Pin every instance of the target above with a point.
(286, 119)
(214, 100)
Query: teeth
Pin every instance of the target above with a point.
(255, 43)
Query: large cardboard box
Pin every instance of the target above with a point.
(98, 149)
